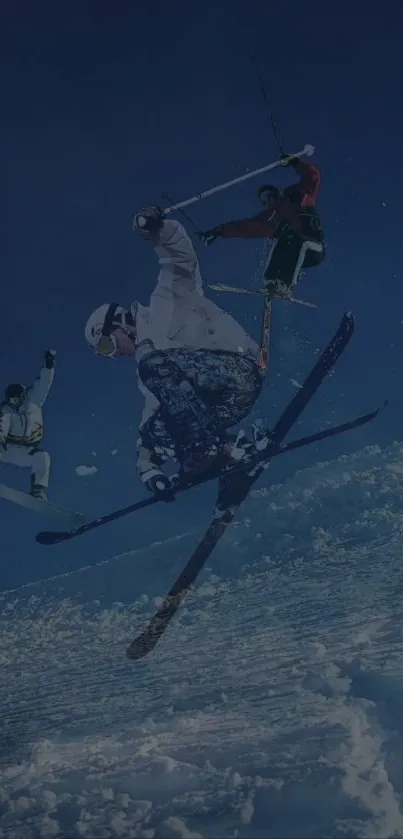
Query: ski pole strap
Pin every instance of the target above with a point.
(307, 150)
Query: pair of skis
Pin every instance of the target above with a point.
(263, 355)
(235, 485)
(259, 292)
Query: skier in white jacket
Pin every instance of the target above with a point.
(196, 365)
(21, 427)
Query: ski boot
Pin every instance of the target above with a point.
(277, 290)
(200, 460)
(208, 459)
(231, 484)
(38, 491)
(243, 447)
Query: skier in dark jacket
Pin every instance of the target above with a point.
(290, 219)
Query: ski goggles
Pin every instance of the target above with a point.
(107, 346)
(109, 343)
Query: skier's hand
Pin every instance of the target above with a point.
(158, 483)
(286, 160)
(309, 150)
(49, 358)
(209, 236)
(148, 221)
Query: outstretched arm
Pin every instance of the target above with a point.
(39, 391)
(262, 226)
(174, 249)
(177, 258)
(258, 227)
(309, 183)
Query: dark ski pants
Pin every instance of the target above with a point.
(201, 393)
(289, 256)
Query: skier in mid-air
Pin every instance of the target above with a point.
(21, 427)
(196, 365)
(290, 219)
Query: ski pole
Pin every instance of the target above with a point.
(185, 215)
(260, 292)
(265, 98)
(307, 150)
(267, 104)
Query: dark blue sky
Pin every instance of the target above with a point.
(107, 105)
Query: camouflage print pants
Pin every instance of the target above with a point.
(201, 393)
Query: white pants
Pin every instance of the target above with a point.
(29, 456)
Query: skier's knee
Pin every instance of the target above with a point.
(151, 365)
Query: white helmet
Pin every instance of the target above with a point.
(104, 320)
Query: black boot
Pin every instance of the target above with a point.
(200, 458)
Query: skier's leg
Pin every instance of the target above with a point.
(312, 254)
(40, 464)
(229, 383)
(168, 375)
(287, 258)
(283, 265)
(224, 384)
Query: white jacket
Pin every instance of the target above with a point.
(179, 315)
(24, 425)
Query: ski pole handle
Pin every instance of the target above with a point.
(307, 150)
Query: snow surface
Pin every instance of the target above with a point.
(84, 471)
(273, 706)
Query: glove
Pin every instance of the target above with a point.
(148, 221)
(285, 160)
(158, 483)
(49, 357)
(209, 236)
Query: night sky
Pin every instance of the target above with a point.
(107, 105)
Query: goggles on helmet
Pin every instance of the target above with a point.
(115, 322)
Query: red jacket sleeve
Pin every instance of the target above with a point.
(262, 226)
(309, 183)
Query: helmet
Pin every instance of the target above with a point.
(101, 325)
(14, 392)
(267, 193)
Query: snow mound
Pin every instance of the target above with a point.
(84, 471)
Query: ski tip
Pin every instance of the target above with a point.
(347, 323)
(348, 315)
(51, 537)
(141, 646)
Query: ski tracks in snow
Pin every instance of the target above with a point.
(272, 707)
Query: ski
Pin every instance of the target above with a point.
(260, 292)
(53, 537)
(264, 347)
(333, 431)
(38, 505)
(235, 489)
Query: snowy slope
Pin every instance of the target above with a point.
(272, 708)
